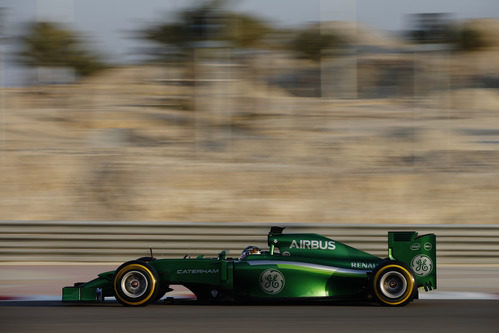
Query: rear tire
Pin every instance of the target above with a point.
(393, 284)
(135, 283)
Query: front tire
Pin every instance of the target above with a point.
(393, 284)
(135, 283)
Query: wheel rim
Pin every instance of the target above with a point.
(134, 284)
(393, 284)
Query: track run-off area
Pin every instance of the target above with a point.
(419, 316)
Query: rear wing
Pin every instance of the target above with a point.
(417, 252)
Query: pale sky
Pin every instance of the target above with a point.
(108, 23)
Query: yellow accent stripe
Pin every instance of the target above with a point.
(410, 285)
(128, 268)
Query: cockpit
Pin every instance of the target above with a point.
(250, 250)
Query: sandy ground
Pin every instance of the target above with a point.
(128, 146)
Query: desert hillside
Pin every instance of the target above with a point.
(235, 144)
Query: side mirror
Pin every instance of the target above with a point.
(222, 255)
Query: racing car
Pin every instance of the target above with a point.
(303, 266)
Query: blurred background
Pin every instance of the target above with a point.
(231, 111)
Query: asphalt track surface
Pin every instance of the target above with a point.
(419, 316)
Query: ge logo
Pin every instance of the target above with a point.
(422, 265)
(272, 281)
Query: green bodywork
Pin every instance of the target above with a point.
(419, 253)
(296, 266)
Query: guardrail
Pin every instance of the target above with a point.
(75, 241)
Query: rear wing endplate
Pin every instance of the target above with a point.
(417, 252)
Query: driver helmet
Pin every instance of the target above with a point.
(250, 250)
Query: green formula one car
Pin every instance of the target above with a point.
(296, 267)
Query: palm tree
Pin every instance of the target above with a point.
(207, 22)
(310, 43)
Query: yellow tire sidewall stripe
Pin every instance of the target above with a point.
(127, 269)
(410, 284)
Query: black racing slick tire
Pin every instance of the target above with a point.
(393, 284)
(135, 283)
